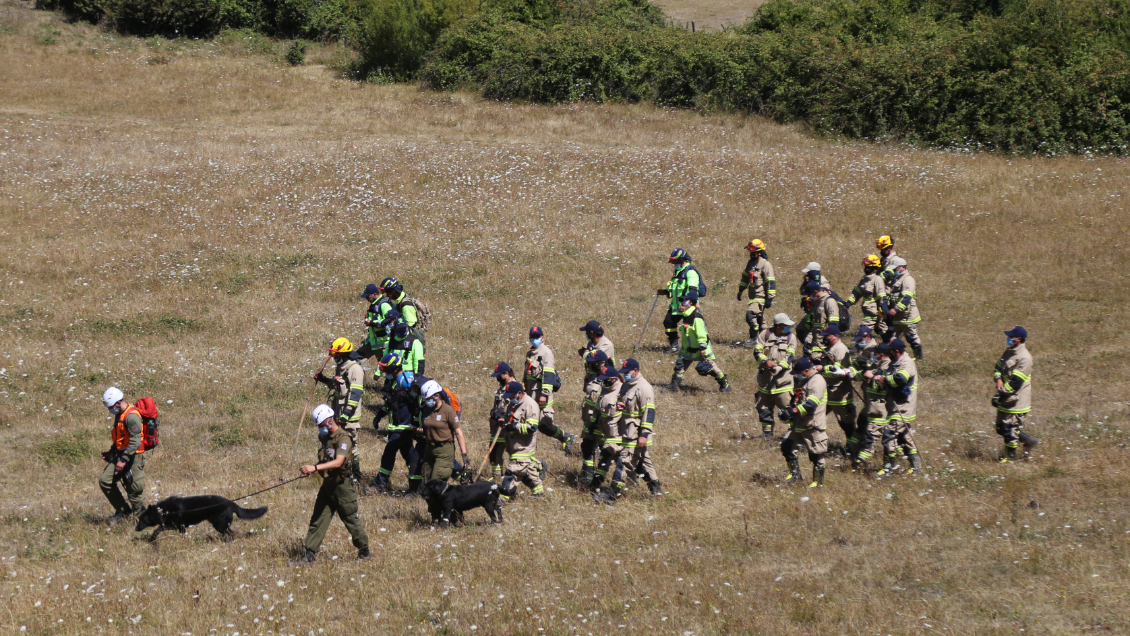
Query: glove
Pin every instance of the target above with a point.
(663, 292)
(497, 413)
(768, 302)
(581, 352)
(787, 413)
(996, 399)
(466, 461)
(511, 426)
(108, 457)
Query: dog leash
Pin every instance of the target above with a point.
(258, 492)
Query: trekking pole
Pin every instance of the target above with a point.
(302, 413)
(483, 465)
(646, 323)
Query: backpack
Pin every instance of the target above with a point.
(701, 282)
(147, 409)
(453, 400)
(423, 314)
(845, 314)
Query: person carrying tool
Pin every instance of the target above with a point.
(696, 345)
(498, 417)
(685, 278)
(1013, 399)
(637, 422)
(337, 494)
(759, 279)
(521, 443)
(376, 336)
(125, 461)
(540, 381)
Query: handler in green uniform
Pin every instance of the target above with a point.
(337, 494)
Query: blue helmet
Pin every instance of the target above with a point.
(678, 255)
(390, 361)
(405, 380)
(392, 285)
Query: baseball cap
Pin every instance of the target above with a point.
(501, 368)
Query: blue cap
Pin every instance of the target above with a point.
(513, 388)
(691, 295)
(370, 289)
(608, 374)
(536, 332)
(501, 368)
(896, 345)
(811, 286)
(400, 328)
(802, 365)
(831, 330)
(593, 325)
(863, 330)
(1017, 332)
(596, 356)
(629, 365)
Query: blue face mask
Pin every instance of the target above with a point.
(786, 330)
(323, 433)
(115, 410)
(536, 341)
(430, 403)
(1010, 341)
(515, 400)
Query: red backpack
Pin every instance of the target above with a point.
(147, 408)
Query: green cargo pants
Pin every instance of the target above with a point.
(108, 482)
(438, 460)
(341, 499)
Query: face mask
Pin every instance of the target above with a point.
(115, 410)
(430, 403)
(1010, 341)
(323, 433)
(536, 341)
(786, 330)
(390, 376)
(515, 400)
(631, 376)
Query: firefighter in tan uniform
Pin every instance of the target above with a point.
(1013, 399)
(823, 311)
(871, 294)
(775, 350)
(521, 443)
(348, 386)
(498, 416)
(596, 363)
(760, 281)
(900, 379)
(807, 426)
(903, 301)
(125, 461)
(613, 452)
(637, 412)
(540, 382)
(833, 362)
(886, 247)
(873, 416)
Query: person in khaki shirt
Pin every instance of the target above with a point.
(498, 416)
(807, 425)
(522, 444)
(348, 386)
(873, 416)
(760, 281)
(591, 439)
(440, 424)
(824, 311)
(902, 298)
(540, 382)
(833, 362)
(1013, 399)
(774, 350)
(597, 341)
(637, 414)
(608, 423)
(871, 294)
(900, 379)
(886, 246)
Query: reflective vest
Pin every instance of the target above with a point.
(120, 434)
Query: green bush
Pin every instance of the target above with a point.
(1040, 76)
(296, 53)
(71, 450)
(396, 34)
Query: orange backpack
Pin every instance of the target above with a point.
(147, 408)
(454, 400)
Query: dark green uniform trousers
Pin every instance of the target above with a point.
(108, 482)
(341, 499)
(438, 460)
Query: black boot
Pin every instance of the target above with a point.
(767, 422)
(817, 477)
(915, 463)
(586, 477)
(917, 349)
(890, 465)
(567, 444)
(1009, 454)
(364, 554)
(309, 556)
(541, 470)
(610, 495)
(1029, 443)
(794, 471)
(676, 381)
(724, 385)
(356, 472)
(597, 480)
(673, 345)
(656, 488)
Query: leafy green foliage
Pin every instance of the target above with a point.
(1042, 76)
(71, 450)
(395, 35)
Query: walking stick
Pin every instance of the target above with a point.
(646, 322)
(483, 465)
(302, 413)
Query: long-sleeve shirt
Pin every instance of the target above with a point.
(1015, 370)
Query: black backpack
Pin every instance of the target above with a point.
(845, 313)
(701, 282)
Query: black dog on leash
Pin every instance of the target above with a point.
(180, 513)
(444, 500)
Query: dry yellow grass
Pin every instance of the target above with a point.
(709, 15)
(198, 228)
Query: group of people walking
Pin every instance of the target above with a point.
(806, 373)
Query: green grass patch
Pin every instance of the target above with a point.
(66, 449)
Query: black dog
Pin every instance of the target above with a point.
(181, 512)
(445, 499)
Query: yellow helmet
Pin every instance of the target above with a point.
(341, 345)
(884, 242)
(756, 245)
(872, 261)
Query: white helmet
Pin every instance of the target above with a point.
(430, 388)
(112, 396)
(322, 412)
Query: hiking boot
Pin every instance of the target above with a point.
(676, 381)
(363, 554)
(751, 343)
(766, 431)
(309, 556)
(794, 471)
(1029, 443)
(724, 385)
(609, 496)
(673, 347)
(586, 476)
(656, 489)
(567, 445)
(915, 464)
(817, 477)
(542, 470)
(917, 349)
(890, 466)
(378, 487)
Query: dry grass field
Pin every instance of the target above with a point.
(194, 222)
(714, 14)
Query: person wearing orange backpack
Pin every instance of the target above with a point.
(125, 461)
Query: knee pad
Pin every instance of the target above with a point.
(606, 454)
(786, 447)
(816, 458)
(704, 368)
(1002, 429)
(765, 415)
